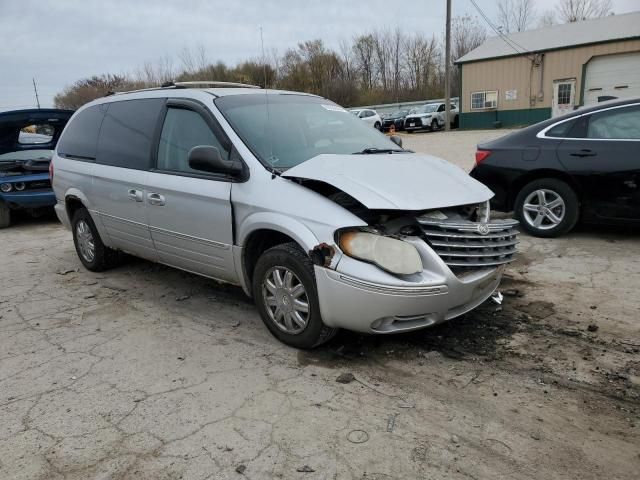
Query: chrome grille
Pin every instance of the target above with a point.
(465, 245)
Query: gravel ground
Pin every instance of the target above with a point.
(145, 372)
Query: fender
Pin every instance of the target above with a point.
(77, 194)
(279, 223)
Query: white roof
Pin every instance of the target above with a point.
(612, 27)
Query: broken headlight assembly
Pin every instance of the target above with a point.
(390, 254)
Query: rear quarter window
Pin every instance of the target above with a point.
(127, 133)
(80, 138)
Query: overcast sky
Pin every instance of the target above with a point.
(60, 41)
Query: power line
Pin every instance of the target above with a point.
(510, 42)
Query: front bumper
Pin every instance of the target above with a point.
(29, 199)
(385, 304)
(417, 123)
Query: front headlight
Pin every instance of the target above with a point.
(426, 116)
(388, 253)
(5, 187)
(483, 212)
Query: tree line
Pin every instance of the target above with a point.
(380, 66)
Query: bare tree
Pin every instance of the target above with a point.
(364, 51)
(547, 18)
(195, 60)
(571, 11)
(515, 15)
(467, 33)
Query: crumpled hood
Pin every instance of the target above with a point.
(402, 181)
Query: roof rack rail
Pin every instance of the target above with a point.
(191, 84)
(212, 83)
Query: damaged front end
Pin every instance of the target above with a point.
(407, 270)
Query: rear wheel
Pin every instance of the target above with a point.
(377, 126)
(5, 215)
(547, 207)
(93, 254)
(285, 292)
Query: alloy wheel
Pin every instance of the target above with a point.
(544, 209)
(86, 244)
(286, 300)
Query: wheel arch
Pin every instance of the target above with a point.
(265, 230)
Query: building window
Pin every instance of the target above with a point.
(482, 100)
(564, 93)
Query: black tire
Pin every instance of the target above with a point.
(5, 215)
(434, 125)
(377, 126)
(456, 119)
(104, 257)
(562, 190)
(290, 256)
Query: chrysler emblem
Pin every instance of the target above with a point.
(483, 229)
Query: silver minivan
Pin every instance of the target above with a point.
(324, 221)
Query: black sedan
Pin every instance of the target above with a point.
(396, 119)
(583, 165)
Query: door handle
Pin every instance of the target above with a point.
(584, 153)
(155, 199)
(135, 195)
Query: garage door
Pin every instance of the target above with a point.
(612, 76)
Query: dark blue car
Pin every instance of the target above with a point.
(27, 140)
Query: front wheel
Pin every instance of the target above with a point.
(434, 125)
(547, 207)
(285, 292)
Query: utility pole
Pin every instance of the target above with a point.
(447, 73)
(35, 89)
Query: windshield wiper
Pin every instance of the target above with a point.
(373, 150)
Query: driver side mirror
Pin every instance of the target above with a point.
(396, 139)
(208, 159)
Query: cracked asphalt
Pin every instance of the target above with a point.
(145, 372)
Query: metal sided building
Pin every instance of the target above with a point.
(526, 77)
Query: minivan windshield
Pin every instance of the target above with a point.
(296, 128)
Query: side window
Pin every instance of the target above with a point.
(80, 138)
(441, 108)
(127, 133)
(619, 123)
(561, 130)
(182, 130)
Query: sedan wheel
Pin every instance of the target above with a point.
(286, 300)
(543, 209)
(547, 207)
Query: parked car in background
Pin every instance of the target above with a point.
(327, 223)
(368, 115)
(582, 165)
(396, 119)
(27, 140)
(430, 117)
